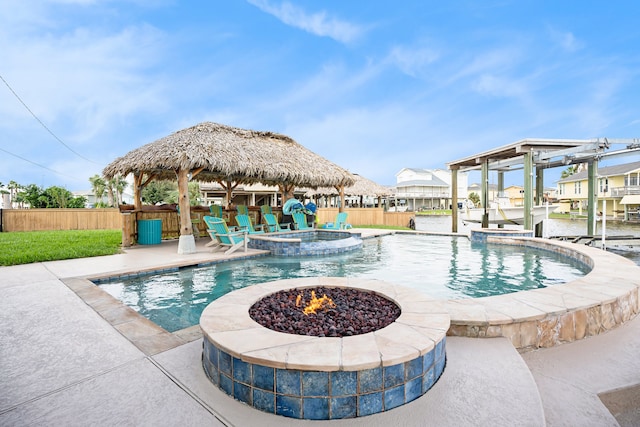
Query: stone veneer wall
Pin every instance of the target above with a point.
(604, 298)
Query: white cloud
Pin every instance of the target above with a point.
(412, 61)
(565, 39)
(89, 78)
(83, 82)
(492, 85)
(490, 61)
(318, 23)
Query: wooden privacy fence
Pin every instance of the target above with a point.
(366, 216)
(102, 219)
(60, 219)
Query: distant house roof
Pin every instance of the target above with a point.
(475, 185)
(419, 170)
(433, 182)
(605, 171)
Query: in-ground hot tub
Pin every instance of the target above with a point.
(306, 243)
(311, 377)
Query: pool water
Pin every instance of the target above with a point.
(441, 266)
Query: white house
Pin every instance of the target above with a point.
(418, 189)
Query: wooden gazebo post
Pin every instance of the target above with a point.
(341, 191)
(287, 191)
(137, 190)
(187, 243)
(229, 186)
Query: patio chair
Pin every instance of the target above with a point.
(339, 224)
(245, 224)
(242, 210)
(271, 223)
(221, 235)
(216, 210)
(265, 209)
(300, 221)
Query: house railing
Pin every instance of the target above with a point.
(624, 191)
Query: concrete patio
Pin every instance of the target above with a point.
(62, 363)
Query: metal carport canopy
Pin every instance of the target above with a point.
(503, 158)
(524, 154)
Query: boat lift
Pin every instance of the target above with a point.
(535, 155)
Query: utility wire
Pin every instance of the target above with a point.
(43, 125)
(39, 165)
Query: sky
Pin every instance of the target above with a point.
(373, 86)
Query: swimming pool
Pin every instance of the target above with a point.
(441, 266)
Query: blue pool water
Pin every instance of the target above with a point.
(441, 266)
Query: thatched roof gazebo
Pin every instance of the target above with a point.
(218, 153)
(361, 187)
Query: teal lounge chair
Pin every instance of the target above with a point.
(245, 224)
(271, 223)
(265, 209)
(216, 210)
(339, 224)
(221, 236)
(300, 221)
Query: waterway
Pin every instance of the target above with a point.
(551, 227)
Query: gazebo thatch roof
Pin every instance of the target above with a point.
(361, 187)
(219, 152)
(211, 152)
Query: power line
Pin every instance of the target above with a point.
(39, 165)
(43, 125)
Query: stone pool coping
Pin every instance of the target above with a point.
(422, 324)
(604, 298)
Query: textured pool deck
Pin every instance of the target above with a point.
(71, 356)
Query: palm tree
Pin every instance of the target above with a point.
(13, 191)
(120, 184)
(109, 186)
(98, 187)
(569, 171)
(3, 192)
(115, 188)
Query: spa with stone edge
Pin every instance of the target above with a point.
(324, 347)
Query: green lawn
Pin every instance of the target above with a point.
(36, 246)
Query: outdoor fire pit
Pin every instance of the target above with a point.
(340, 312)
(324, 348)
